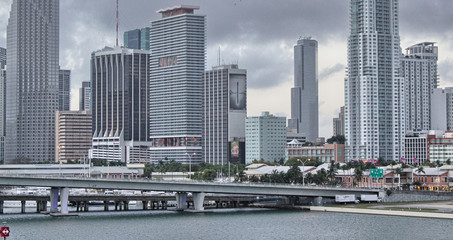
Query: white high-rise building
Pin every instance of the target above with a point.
(374, 92)
(265, 138)
(32, 80)
(419, 69)
(177, 63)
(224, 114)
(304, 94)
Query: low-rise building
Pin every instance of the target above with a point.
(326, 153)
(441, 148)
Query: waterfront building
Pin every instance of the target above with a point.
(120, 106)
(416, 147)
(137, 38)
(224, 114)
(441, 148)
(177, 64)
(32, 80)
(85, 97)
(73, 135)
(326, 153)
(374, 92)
(304, 94)
(442, 109)
(265, 138)
(419, 69)
(64, 85)
(338, 124)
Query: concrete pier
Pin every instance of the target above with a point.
(198, 200)
(181, 201)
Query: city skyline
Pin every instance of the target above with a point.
(265, 50)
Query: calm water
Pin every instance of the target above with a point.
(225, 225)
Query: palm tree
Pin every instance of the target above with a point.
(358, 174)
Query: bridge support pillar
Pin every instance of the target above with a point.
(198, 200)
(164, 205)
(22, 206)
(54, 199)
(1, 206)
(145, 205)
(317, 201)
(106, 205)
(181, 200)
(64, 195)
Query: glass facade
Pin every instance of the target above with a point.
(32, 81)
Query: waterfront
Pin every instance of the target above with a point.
(224, 225)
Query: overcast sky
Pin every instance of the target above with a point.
(257, 34)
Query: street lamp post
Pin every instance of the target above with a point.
(303, 170)
(190, 161)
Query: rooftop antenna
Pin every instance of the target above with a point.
(117, 23)
(219, 57)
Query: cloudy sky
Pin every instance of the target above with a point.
(257, 34)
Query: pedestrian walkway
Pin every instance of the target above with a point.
(382, 212)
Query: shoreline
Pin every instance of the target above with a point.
(381, 212)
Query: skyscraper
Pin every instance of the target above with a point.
(374, 92)
(178, 59)
(2, 102)
(32, 80)
(137, 38)
(338, 123)
(419, 69)
(64, 85)
(2, 57)
(304, 94)
(224, 114)
(132, 39)
(85, 97)
(120, 105)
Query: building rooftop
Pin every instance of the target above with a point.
(177, 10)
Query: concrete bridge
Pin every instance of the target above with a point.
(60, 188)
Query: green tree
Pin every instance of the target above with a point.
(209, 174)
(339, 139)
(294, 174)
(358, 174)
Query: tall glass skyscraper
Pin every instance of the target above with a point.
(374, 92)
(64, 85)
(85, 97)
(32, 80)
(178, 59)
(304, 94)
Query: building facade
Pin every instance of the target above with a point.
(224, 114)
(338, 123)
(265, 138)
(441, 148)
(85, 97)
(32, 80)
(73, 135)
(374, 92)
(304, 94)
(419, 69)
(120, 106)
(64, 85)
(177, 64)
(442, 109)
(326, 153)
